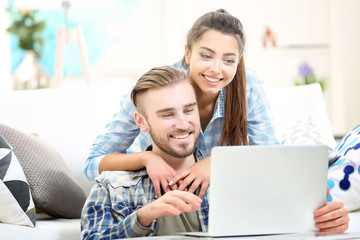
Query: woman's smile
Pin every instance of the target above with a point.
(212, 79)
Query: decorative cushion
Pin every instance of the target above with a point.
(52, 185)
(16, 203)
(344, 173)
(305, 133)
(302, 133)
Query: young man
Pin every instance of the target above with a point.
(124, 204)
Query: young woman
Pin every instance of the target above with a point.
(232, 105)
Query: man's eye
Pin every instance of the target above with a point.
(189, 110)
(166, 115)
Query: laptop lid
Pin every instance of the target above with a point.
(256, 190)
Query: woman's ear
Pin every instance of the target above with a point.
(187, 54)
(141, 121)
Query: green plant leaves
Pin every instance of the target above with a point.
(28, 30)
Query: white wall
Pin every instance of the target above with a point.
(292, 21)
(345, 65)
(159, 28)
(141, 46)
(5, 70)
(325, 33)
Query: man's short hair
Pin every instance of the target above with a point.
(157, 77)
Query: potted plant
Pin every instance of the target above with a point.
(307, 76)
(29, 74)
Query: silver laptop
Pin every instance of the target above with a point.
(260, 190)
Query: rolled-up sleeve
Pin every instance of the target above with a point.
(122, 135)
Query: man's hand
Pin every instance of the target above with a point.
(333, 217)
(196, 175)
(170, 204)
(159, 172)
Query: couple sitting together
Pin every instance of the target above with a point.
(124, 204)
(174, 116)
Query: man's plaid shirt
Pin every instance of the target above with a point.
(110, 211)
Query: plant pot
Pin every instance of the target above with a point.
(30, 74)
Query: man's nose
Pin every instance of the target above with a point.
(182, 122)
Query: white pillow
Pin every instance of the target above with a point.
(302, 133)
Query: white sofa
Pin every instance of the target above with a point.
(70, 118)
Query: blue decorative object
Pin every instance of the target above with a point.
(345, 183)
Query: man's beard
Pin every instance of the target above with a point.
(165, 146)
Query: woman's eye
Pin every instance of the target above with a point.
(203, 55)
(230, 61)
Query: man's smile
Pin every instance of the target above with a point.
(181, 136)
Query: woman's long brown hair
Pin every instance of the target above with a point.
(235, 122)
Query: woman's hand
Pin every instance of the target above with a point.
(191, 178)
(160, 172)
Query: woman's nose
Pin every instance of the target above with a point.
(215, 67)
